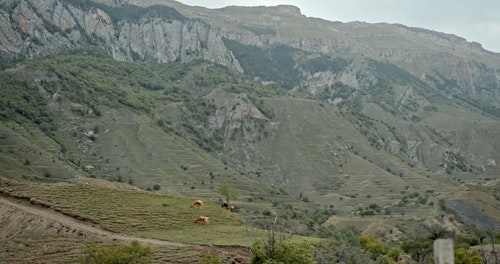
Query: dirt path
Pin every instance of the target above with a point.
(76, 225)
(19, 216)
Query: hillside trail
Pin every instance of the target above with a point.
(81, 226)
(20, 216)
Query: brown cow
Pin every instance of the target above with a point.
(198, 203)
(228, 207)
(202, 220)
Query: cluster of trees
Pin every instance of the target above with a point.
(338, 246)
(89, 79)
(277, 249)
(325, 63)
(272, 64)
(348, 246)
(21, 102)
(272, 251)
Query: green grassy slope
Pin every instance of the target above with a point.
(335, 138)
(316, 151)
(135, 213)
(124, 211)
(148, 125)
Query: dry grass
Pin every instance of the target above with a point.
(124, 211)
(43, 248)
(138, 212)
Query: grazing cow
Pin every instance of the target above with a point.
(202, 220)
(228, 207)
(198, 203)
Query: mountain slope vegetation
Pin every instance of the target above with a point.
(324, 125)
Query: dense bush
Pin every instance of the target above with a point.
(284, 252)
(272, 64)
(95, 253)
(89, 76)
(210, 258)
(325, 63)
(337, 251)
(89, 79)
(20, 101)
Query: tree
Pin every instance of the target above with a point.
(228, 190)
(437, 231)
(420, 249)
(372, 245)
(337, 251)
(462, 256)
(278, 249)
(281, 252)
(95, 253)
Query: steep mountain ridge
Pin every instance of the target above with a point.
(165, 35)
(424, 53)
(38, 28)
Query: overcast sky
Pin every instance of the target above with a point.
(474, 20)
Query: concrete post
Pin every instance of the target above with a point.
(443, 251)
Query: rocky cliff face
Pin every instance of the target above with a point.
(477, 81)
(158, 40)
(420, 64)
(464, 66)
(395, 70)
(32, 29)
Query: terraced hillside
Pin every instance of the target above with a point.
(336, 129)
(53, 222)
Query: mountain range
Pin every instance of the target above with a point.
(357, 120)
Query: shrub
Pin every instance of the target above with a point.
(372, 245)
(469, 257)
(95, 253)
(420, 249)
(393, 253)
(210, 258)
(281, 252)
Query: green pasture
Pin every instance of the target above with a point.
(144, 214)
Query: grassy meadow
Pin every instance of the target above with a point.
(140, 213)
(130, 212)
